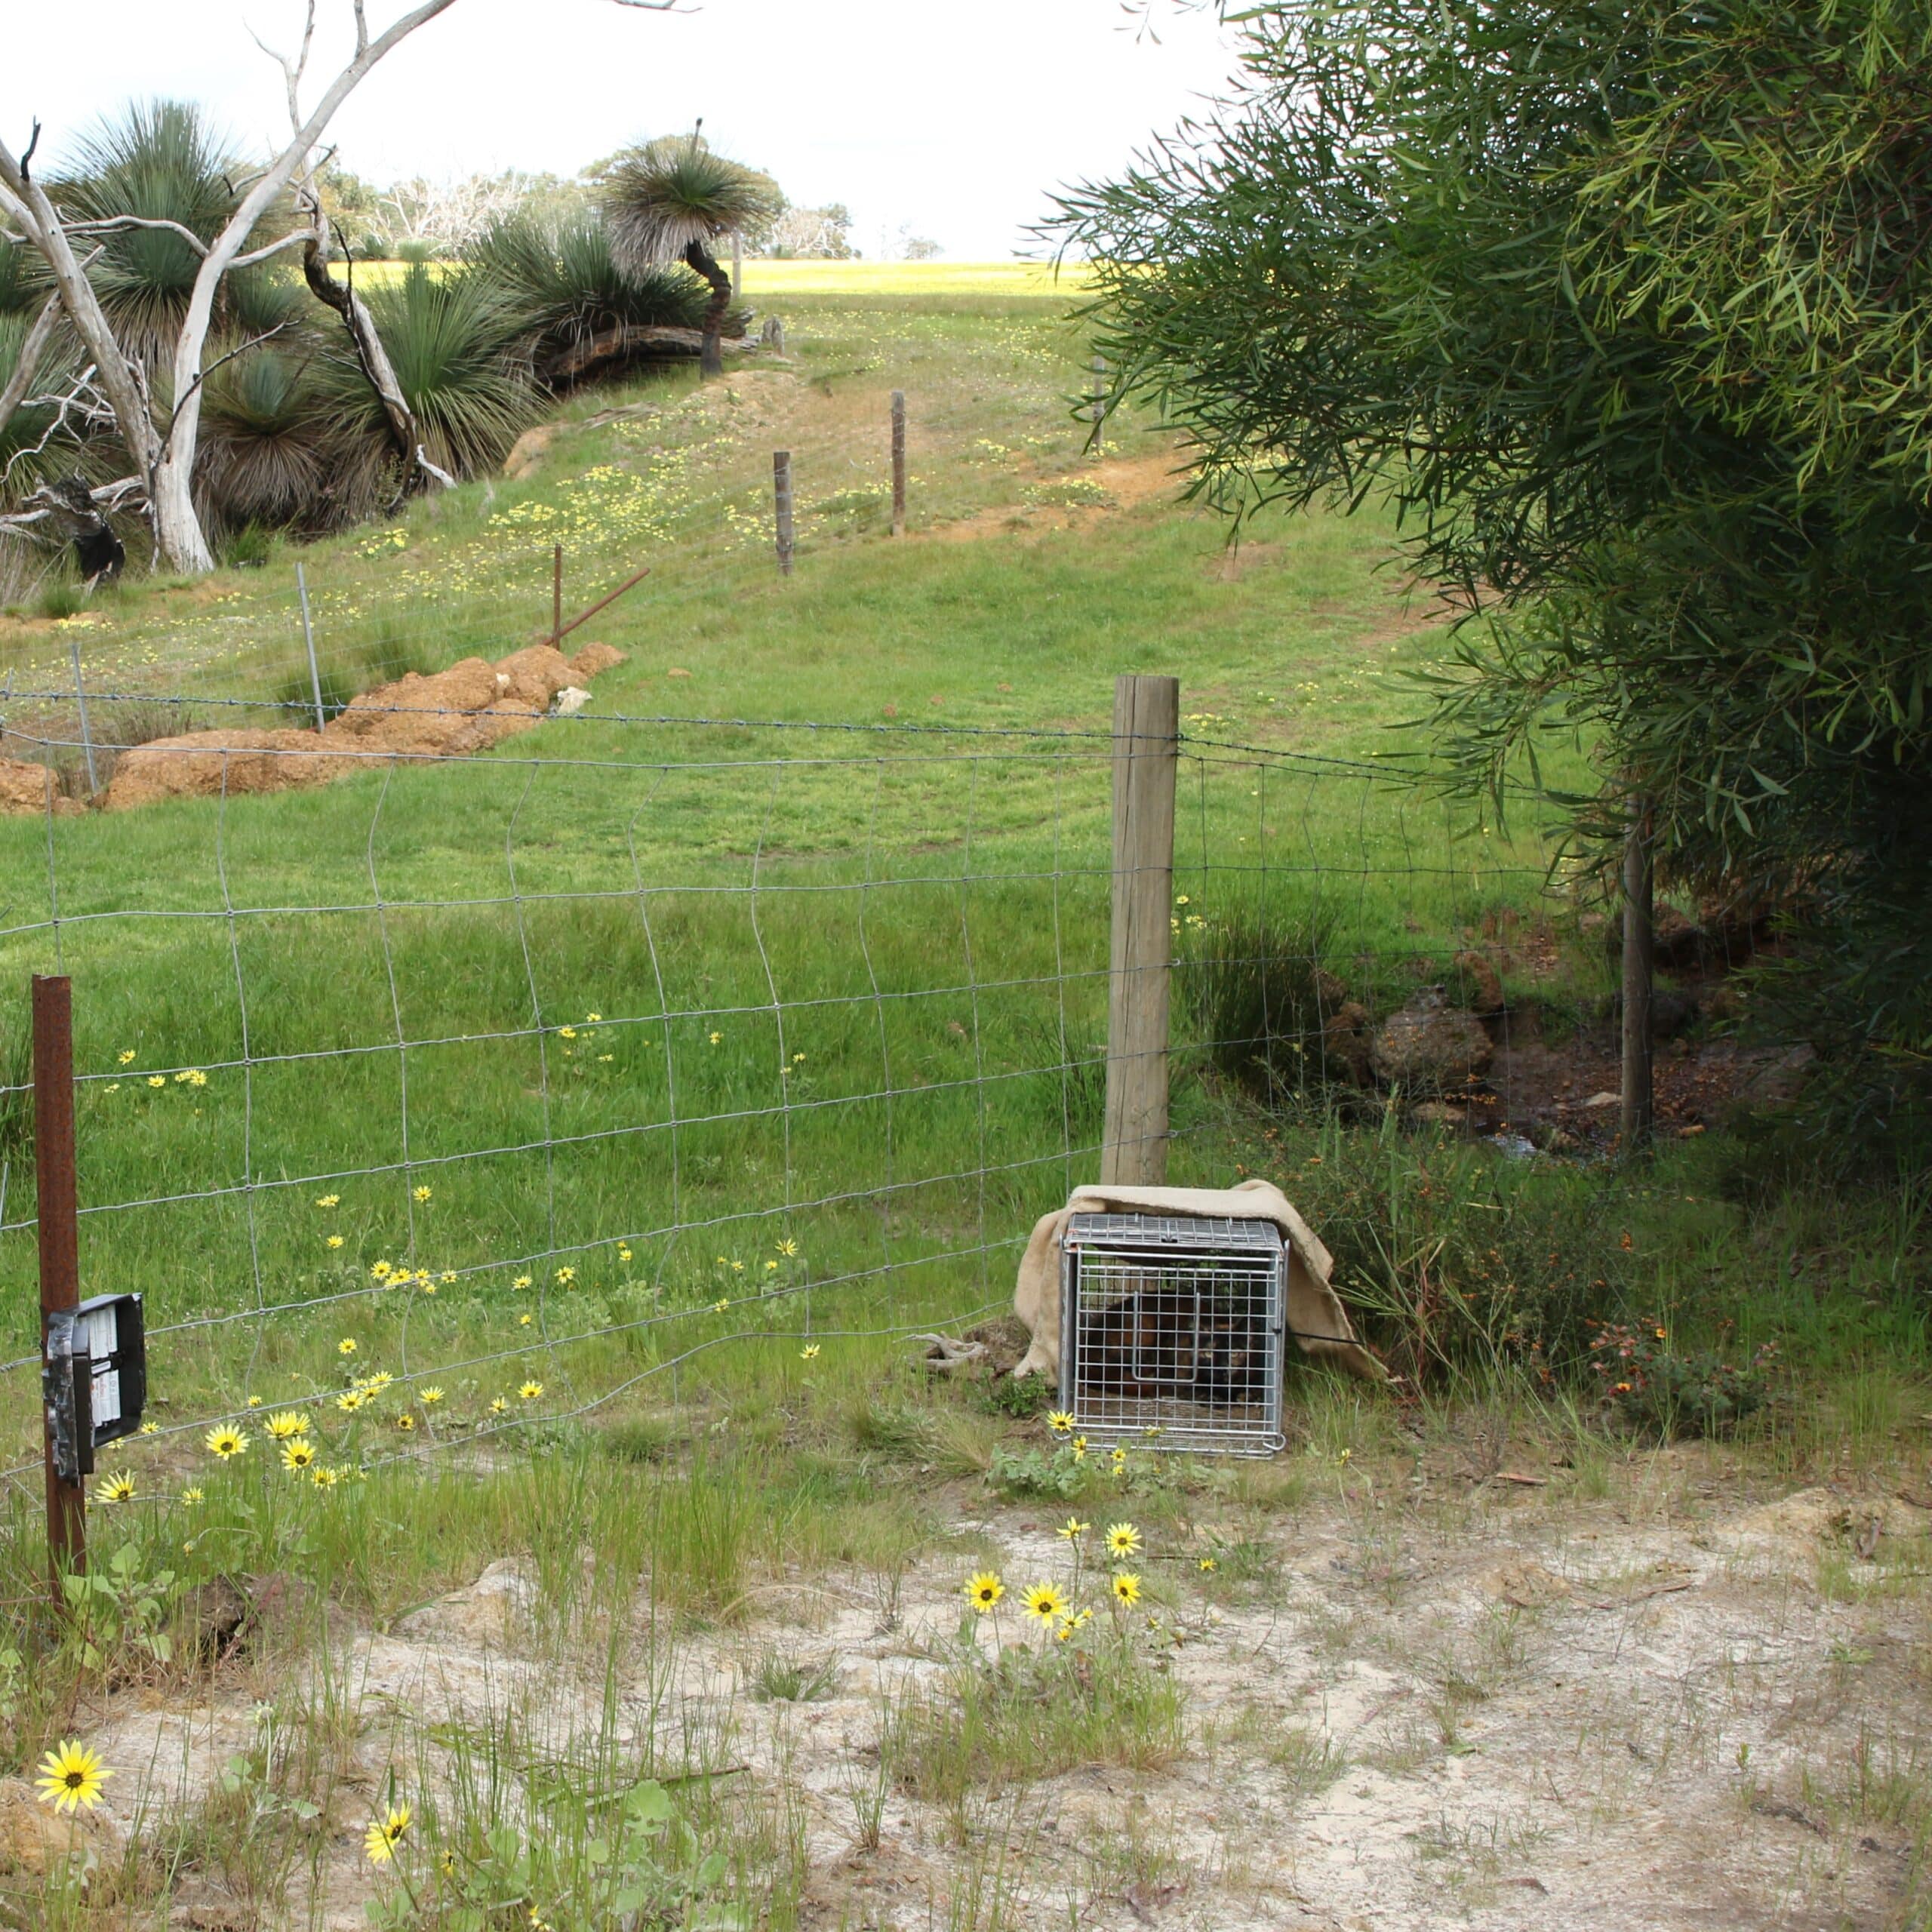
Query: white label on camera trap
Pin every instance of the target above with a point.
(100, 1335)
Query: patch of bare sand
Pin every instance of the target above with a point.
(1124, 483)
(1503, 1709)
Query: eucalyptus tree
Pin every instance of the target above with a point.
(1625, 307)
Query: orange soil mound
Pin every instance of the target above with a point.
(26, 787)
(466, 709)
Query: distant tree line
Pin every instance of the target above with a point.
(426, 219)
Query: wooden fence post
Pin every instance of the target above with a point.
(781, 490)
(556, 594)
(899, 462)
(1639, 958)
(308, 644)
(1099, 406)
(1133, 1147)
(58, 1213)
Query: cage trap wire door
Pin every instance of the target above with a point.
(1171, 1331)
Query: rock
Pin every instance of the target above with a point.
(526, 452)
(489, 1611)
(569, 701)
(1431, 1047)
(1599, 1102)
(1347, 1047)
(34, 1837)
(1440, 1113)
(1485, 984)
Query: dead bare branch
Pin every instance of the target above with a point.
(92, 410)
(294, 238)
(22, 379)
(187, 235)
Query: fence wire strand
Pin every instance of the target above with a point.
(931, 903)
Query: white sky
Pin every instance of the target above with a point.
(957, 118)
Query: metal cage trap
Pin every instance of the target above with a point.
(1172, 1331)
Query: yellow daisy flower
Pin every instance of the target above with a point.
(531, 1390)
(1060, 1421)
(984, 1591)
(119, 1488)
(71, 1776)
(286, 1425)
(382, 1836)
(1073, 1528)
(1127, 1587)
(297, 1455)
(1123, 1540)
(1046, 1601)
(226, 1442)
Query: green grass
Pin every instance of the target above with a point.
(899, 940)
(901, 935)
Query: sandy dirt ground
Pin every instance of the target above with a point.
(1464, 1694)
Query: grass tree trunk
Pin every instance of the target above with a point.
(711, 355)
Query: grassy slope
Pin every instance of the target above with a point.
(905, 999)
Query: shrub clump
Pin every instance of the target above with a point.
(1650, 1386)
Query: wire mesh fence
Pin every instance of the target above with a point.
(463, 1095)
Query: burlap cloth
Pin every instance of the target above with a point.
(1316, 1317)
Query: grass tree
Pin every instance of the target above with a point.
(669, 200)
(159, 422)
